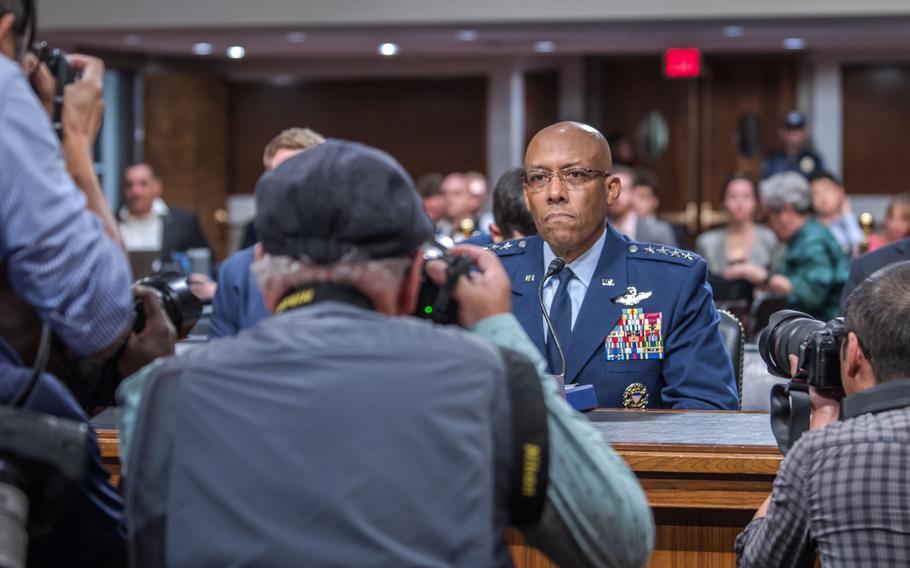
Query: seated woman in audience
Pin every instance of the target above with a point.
(741, 246)
(897, 222)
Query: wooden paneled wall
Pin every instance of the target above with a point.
(732, 87)
(876, 122)
(702, 115)
(186, 141)
(426, 124)
(541, 101)
(628, 89)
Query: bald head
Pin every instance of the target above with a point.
(570, 210)
(579, 143)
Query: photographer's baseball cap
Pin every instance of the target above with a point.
(337, 199)
(794, 119)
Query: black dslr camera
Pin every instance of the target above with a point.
(182, 307)
(817, 344)
(63, 74)
(434, 302)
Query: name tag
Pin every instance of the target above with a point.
(637, 335)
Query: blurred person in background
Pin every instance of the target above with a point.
(460, 221)
(480, 193)
(741, 249)
(795, 156)
(431, 194)
(238, 302)
(626, 219)
(815, 268)
(511, 218)
(897, 223)
(149, 225)
(832, 209)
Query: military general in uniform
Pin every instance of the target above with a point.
(636, 320)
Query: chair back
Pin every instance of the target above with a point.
(734, 338)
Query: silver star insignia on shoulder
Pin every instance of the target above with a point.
(688, 256)
(650, 249)
(529, 278)
(632, 297)
(663, 250)
(674, 252)
(506, 245)
(495, 247)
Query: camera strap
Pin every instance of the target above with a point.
(888, 396)
(790, 413)
(316, 292)
(530, 440)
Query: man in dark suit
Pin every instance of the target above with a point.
(636, 320)
(863, 266)
(147, 224)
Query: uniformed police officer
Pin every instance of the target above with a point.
(795, 156)
(636, 320)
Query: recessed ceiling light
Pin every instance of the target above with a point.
(236, 52)
(734, 31)
(202, 48)
(794, 43)
(133, 39)
(388, 49)
(296, 37)
(545, 46)
(467, 35)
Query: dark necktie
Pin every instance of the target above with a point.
(561, 318)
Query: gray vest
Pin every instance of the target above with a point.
(326, 436)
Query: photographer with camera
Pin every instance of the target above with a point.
(66, 304)
(339, 432)
(843, 487)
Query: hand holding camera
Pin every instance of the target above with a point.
(155, 337)
(480, 293)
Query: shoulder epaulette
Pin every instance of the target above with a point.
(649, 251)
(508, 248)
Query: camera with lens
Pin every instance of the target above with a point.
(434, 302)
(63, 74)
(182, 307)
(817, 345)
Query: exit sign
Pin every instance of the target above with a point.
(682, 62)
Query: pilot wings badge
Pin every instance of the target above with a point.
(632, 297)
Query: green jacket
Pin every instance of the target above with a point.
(817, 269)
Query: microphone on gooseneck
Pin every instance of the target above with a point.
(556, 266)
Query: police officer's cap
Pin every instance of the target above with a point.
(337, 199)
(794, 119)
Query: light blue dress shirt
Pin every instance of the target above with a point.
(57, 257)
(583, 267)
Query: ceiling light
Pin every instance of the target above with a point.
(133, 39)
(467, 35)
(734, 31)
(296, 37)
(202, 48)
(388, 49)
(236, 52)
(545, 46)
(794, 43)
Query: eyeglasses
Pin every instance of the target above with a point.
(573, 178)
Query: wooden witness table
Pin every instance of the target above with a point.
(704, 473)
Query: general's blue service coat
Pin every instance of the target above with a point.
(647, 332)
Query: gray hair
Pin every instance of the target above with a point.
(286, 273)
(788, 188)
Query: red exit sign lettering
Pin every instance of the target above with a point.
(682, 62)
